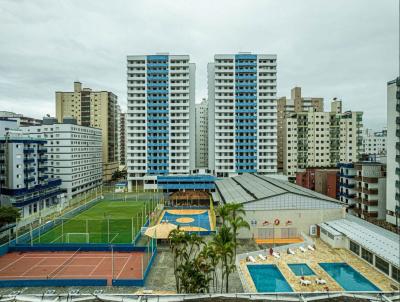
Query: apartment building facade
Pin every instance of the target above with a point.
(285, 107)
(24, 182)
(242, 114)
(122, 139)
(202, 134)
(74, 154)
(22, 120)
(96, 109)
(321, 139)
(160, 127)
(393, 152)
(363, 186)
(374, 142)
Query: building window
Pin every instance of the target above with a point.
(382, 265)
(366, 255)
(354, 247)
(396, 273)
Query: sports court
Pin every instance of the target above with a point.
(191, 220)
(105, 222)
(73, 265)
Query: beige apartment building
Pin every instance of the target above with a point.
(321, 139)
(285, 107)
(93, 109)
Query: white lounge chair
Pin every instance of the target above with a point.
(262, 257)
(276, 255)
(302, 249)
(251, 258)
(290, 251)
(305, 282)
(310, 248)
(320, 281)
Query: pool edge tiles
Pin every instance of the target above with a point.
(258, 275)
(358, 282)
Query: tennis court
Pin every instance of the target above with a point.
(73, 265)
(105, 222)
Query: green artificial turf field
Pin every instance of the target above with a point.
(105, 222)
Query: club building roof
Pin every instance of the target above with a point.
(379, 241)
(252, 188)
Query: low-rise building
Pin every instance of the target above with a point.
(377, 246)
(74, 153)
(24, 182)
(277, 211)
(363, 185)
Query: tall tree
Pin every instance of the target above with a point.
(8, 215)
(236, 220)
(224, 246)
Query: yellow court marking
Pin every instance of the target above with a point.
(192, 229)
(185, 220)
(186, 212)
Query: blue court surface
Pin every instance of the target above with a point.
(185, 219)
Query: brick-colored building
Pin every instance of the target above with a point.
(324, 181)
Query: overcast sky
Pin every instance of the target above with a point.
(344, 48)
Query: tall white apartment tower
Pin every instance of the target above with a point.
(202, 134)
(160, 128)
(393, 153)
(242, 114)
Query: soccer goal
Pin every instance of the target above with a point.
(77, 237)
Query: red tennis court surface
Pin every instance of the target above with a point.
(72, 265)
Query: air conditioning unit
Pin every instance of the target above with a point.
(313, 230)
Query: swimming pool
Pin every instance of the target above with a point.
(268, 278)
(301, 269)
(348, 277)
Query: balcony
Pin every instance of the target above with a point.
(346, 175)
(29, 160)
(367, 191)
(347, 185)
(29, 150)
(29, 170)
(370, 214)
(347, 195)
(398, 120)
(398, 107)
(244, 104)
(371, 180)
(246, 77)
(246, 70)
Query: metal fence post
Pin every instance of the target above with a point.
(108, 230)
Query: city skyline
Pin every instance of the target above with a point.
(348, 66)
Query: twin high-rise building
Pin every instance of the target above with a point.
(161, 124)
(242, 111)
(160, 120)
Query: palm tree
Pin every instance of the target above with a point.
(224, 246)
(237, 222)
(224, 212)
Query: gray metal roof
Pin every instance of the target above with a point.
(250, 187)
(376, 240)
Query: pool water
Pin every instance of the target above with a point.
(268, 278)
(348, 277)
(301, 269)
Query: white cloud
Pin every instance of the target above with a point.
(347, 49)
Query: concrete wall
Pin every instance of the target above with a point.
(301, 219)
